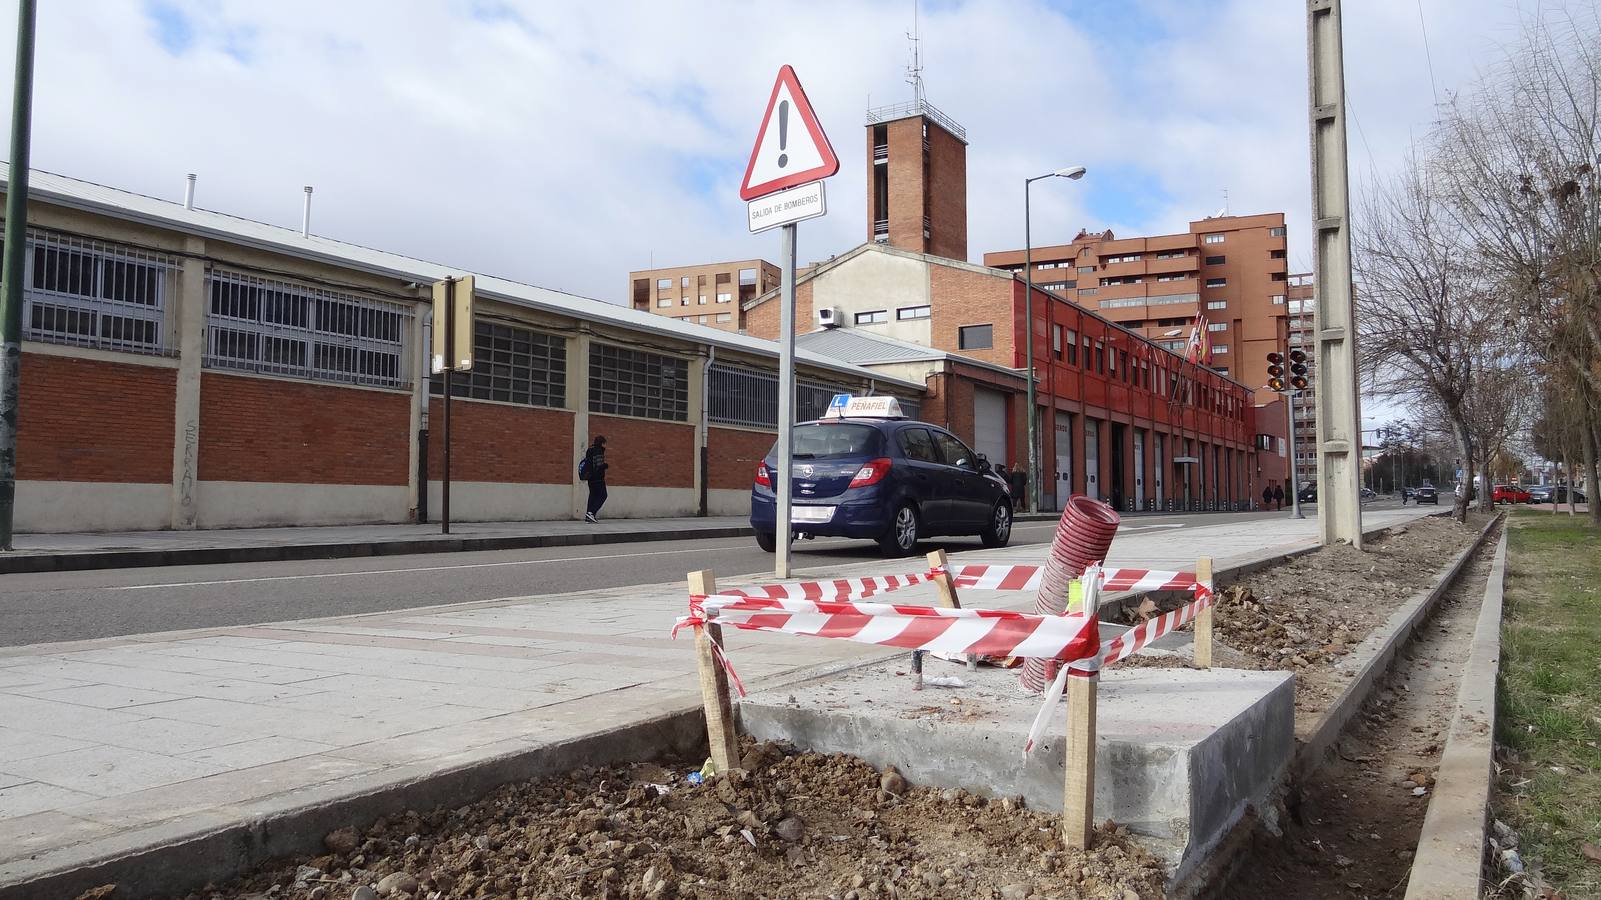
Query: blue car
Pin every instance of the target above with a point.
(887, 479)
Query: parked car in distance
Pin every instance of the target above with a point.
(867, 472)
(1542, 493)
(1368, 494)
(1309, 493)
(1509, 493)
(1427, 494)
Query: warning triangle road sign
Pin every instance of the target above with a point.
(790, 147)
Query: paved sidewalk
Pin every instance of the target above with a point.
(61, 552)
(111, 745)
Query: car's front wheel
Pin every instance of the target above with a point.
(766, 540)
(999, 529)
(900, 539)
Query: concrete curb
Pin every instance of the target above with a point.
(1377, 653)
(1450, 852)
(199, 556)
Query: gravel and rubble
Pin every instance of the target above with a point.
(788, 824)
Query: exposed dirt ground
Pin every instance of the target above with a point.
(1307, 615)
(1352, 829)
(797, 825)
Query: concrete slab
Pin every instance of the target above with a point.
(1180, 753)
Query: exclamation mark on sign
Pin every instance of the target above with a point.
(783, 132)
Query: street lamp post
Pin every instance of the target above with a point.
(1075, 173)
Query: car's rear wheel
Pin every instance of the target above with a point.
(766, 540)
(999, 529)
(900, 539)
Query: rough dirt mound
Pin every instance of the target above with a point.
(790, 825)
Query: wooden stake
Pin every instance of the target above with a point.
(720, 734)
(946, 587)
(1203, 620)
(947, 592)
(1078, 799)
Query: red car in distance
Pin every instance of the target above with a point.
(1509, 493)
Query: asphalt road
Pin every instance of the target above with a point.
(69, 606)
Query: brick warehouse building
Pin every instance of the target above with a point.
(1120, 417)
(184, 368)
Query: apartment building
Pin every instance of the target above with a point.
(1302, 307)
(709, 294)
(1229, 269)
(185, 368)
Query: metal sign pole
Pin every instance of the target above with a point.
(450, 366)
(784, 480)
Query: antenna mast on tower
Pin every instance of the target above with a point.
(914, 70)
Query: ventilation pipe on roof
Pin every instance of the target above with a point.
(305, 216)
(189, 192)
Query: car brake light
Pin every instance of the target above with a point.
(871, 473)
(762, 478)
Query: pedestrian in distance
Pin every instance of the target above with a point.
(1267, 496)
(592, 469)
(1278, 496)
(1019, 480)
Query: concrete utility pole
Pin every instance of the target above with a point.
(1339, 435)
(15, 257)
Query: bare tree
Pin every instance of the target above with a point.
(1518, 158)
(1496, 403)
(1422, 310)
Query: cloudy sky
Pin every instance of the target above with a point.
(564, 143)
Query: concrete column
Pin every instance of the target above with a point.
(578, 402)
(188, 311)
(697, 406)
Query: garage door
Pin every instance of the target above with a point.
(989, 424)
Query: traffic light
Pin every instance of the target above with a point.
(1298, 370)
(1275, 371)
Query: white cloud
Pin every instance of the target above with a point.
(565, 143)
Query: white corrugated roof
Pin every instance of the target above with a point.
(129, 206)
(854, 345)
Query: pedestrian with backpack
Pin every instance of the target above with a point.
(592, 469)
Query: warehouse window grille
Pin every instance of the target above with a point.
(93, 294)
(278, 327)
(512, 365)
(628, 382)
(749, 397)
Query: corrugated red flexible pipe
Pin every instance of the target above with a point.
(1083, 535)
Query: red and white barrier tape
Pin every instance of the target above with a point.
(985, 632)
(1027, 578)
(824, 609)
(974, 577)
(1124, 645)
(840, 589)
